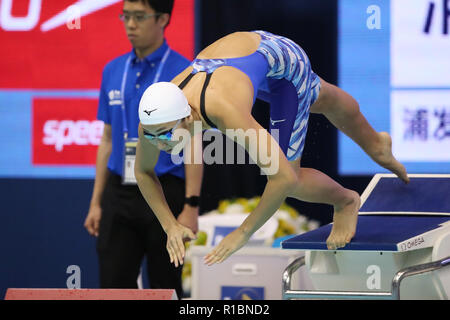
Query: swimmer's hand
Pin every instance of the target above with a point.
(230, 244)
(175, 245)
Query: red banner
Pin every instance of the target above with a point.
(44, 46)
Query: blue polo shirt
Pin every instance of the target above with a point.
(140, 75)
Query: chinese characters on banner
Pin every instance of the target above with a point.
(420, 80)
(420, 125)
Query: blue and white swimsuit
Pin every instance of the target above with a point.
(281, 74)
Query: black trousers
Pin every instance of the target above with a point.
(129, 230)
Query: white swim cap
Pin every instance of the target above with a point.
(163, 102)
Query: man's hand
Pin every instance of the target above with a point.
(92, 221)
(230, 244)
(175, 245)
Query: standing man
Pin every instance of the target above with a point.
(126, 228)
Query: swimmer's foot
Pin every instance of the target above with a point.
(384, 157)
(344, 223)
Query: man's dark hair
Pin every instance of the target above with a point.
(160, 6)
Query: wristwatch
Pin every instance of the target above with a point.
(193, 201)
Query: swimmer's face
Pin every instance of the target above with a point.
(162, 135)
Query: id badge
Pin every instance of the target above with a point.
(129, 153)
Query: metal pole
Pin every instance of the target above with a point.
(360, 295)
(414, 270)
(287, 274)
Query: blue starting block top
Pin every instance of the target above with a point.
(373, 233)
(391, 214)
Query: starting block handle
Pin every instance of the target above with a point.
(288, 293)
(289, 271)
(415, 270)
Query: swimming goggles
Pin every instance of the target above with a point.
(166, 135)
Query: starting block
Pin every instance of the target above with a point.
(90, 294)
(402, 237)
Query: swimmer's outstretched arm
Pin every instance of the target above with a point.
(281, 179)
(146, 158)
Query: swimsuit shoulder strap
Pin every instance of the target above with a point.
(202, 96)
(185, 81)
(202, 100)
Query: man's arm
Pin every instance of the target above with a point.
(146, 158)
(101, 175)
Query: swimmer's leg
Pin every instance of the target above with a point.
(343, 111)
(315, 186)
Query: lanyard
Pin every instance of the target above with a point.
(124, 80)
